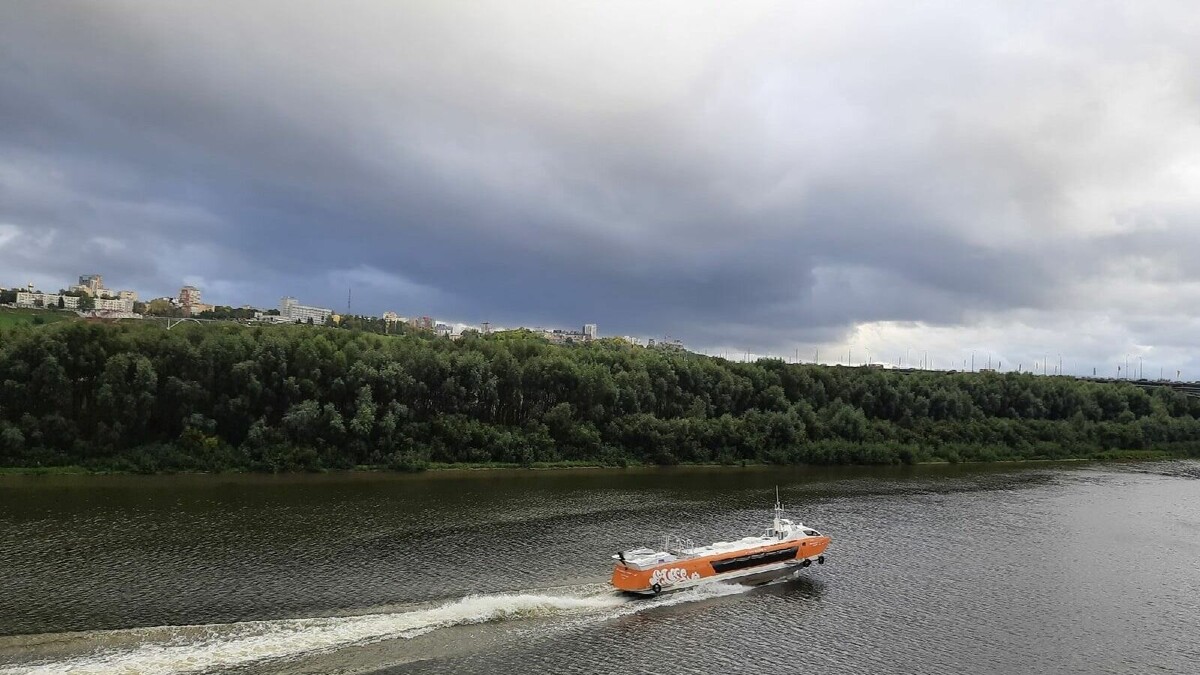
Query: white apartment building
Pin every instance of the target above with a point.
(47, 300)
(292, 310)
(113, 305)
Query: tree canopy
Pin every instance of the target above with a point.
(137, 397)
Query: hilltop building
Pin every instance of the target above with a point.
(93, 285)
(90, 284)
(189, 300)
(188, 296)
(668, 343)
(560, 336)
(292, 310)
(46, 300)
(112, 304)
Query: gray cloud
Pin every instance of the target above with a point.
(762, 177)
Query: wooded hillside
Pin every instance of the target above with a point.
(137, 397)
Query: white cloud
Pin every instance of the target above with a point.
(8, 234)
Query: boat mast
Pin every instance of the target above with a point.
(778, 510)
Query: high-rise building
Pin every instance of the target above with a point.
(131, 296)
(589, 329)
(188, 296)
(93, 282)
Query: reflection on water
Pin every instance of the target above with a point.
(941, 569)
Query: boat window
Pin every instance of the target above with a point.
(812, 533)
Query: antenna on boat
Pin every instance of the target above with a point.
(778, 509)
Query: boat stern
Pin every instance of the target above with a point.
(631, 580)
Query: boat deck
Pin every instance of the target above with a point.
(645, 558)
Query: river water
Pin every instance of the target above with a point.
(950, 569)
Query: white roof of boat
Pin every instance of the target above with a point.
(724, 546)
(648, 557)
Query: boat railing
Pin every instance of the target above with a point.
(679, 546)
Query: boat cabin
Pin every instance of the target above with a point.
(676, 549)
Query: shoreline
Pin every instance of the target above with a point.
(489, 467)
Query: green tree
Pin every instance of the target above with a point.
(273, 398)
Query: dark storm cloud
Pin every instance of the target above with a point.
(760, 176)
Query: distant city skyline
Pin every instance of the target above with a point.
(189, 298)
(772, 178)
(920, 359)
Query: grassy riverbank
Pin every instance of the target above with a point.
(11, 317)
(70, 470)
(168, 459)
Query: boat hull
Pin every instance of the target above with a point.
(729, 566)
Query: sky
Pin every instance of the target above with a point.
(1018, 181)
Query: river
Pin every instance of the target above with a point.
(934, 569)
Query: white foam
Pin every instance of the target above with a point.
(195, 648)
(716, 589)
(187, 649)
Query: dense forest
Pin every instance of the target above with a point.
(137, 397)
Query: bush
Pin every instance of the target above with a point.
(408, 462)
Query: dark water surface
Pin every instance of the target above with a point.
(1030, 569)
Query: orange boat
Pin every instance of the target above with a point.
(682, 564)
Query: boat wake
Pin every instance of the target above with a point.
(184, 649)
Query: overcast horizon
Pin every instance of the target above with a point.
(1015, 180)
